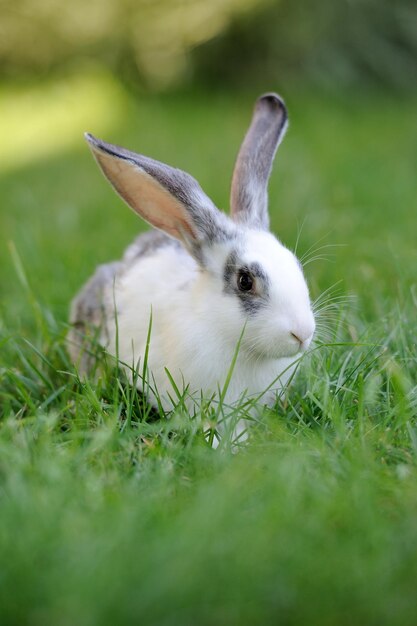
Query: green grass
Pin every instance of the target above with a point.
(110, 516)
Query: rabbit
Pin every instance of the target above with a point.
(209, 282)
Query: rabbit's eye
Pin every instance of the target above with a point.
(244, 281)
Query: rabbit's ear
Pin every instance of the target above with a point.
(167, 198)
(249, 194)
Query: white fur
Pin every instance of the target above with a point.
(196, 326)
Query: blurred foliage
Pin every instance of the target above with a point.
(41, 120)
(160, 43)
(333, 42)
(145, 37)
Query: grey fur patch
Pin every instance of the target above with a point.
(250, 302)
(88, 315)
(147, 243)
(258, 271)
(249, 194)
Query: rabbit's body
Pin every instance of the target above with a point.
(212, 283)
(190, 335)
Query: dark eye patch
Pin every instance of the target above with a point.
(253, 300)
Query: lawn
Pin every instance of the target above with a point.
(110, 516)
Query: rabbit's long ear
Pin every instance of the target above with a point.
(167, 198)
(249, 194)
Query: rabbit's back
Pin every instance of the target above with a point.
(134, 284)
(87, 313)
(147, 244)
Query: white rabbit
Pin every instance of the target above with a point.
(207, 279)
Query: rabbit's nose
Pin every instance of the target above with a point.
(303, 343)
(303, 335)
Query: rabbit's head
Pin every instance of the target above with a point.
(247, 277)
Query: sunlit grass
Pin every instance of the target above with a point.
(43, 121)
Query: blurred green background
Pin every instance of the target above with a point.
(163, 43)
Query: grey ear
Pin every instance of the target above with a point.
(249, 194)
(167, 198)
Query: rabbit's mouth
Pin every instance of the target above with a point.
(288, 347)
(274, 351)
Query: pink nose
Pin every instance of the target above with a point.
(303, 338)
